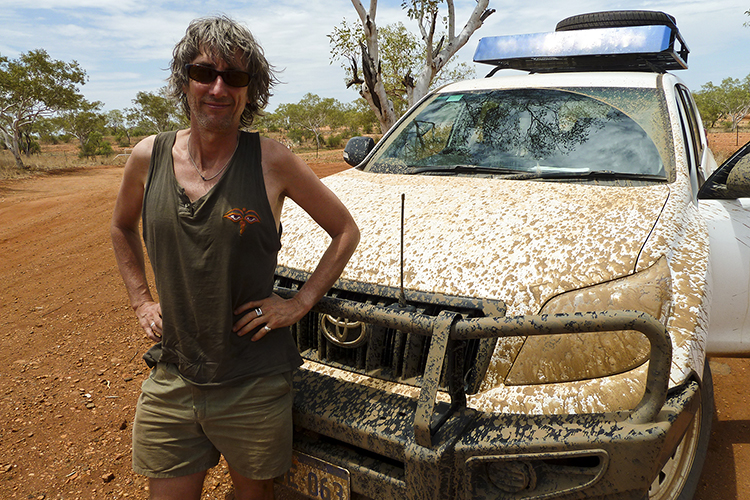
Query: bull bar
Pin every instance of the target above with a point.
(448, 327)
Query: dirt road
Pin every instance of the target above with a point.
(71, 368)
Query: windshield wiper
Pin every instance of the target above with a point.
(546, 173)
(461, 169)
(595, 174)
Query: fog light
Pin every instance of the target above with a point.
(512, 477)
(535, 475)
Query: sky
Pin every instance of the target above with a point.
(125, 46)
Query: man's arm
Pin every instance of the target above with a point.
(288, 176)
(126, 239)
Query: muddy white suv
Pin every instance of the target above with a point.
(545, 259)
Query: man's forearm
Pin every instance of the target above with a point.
(330, 267)
(131, 263)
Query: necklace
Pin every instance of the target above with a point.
(206, 179)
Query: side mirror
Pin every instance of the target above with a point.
(731, 180)
(357, 149)
(738, 180)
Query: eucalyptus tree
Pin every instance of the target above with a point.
(83, 121)
(729, 100)
(155, 112)
(313, 114)
(434, 50)
(34, 86)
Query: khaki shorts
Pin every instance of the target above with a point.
(182, 429)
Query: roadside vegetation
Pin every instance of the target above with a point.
(46, 123)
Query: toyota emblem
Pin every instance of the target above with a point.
(342, 332)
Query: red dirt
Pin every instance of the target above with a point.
(71, 368)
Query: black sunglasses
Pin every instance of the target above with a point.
(207, 74)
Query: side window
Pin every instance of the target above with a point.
(691, 131)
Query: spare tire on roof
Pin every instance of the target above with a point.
(616, 19)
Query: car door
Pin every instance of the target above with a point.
(725, 206)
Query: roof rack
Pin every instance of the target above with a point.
(653, 48)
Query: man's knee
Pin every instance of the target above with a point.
(251, 489)
(187, 487)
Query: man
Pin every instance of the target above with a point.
(211, 198)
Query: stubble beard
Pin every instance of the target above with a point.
(217, 123)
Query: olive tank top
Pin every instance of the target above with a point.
(209, 257)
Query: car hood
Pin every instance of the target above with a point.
(518, 241)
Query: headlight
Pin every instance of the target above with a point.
(564, 358)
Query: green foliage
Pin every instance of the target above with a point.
(95, 146)
(122, 139)
(401, 57)
(313, 116)
(360, 117)
(398, 66)
(268, 122)
(335, 141)
(730, 100)
(115, 121)
(709, 109)
(419, 9)
(155, 112)
(31, 147)
(296, 135)
(48, 130)
(32, 87)
(83, 121)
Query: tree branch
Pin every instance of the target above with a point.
(440, 57)
(356, 80)
(451, 20)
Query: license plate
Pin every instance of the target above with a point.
(315, 478)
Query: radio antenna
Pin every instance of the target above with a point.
(402, 295)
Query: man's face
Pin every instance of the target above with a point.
(215, 106)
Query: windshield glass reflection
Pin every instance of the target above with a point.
(545, 132)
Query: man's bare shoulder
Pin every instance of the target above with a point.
(144, 148)
(140, 156)
(280, 160)
(136, 168)
(273, 151)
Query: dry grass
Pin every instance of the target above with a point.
(723, 144)
(322, 156)
(53, 158)
(62, 157)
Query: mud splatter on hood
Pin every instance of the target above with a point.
(518, 241)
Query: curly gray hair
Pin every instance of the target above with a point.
(221, 38)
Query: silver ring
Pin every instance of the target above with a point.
(267, 328)
(258, 311)
(153, 325)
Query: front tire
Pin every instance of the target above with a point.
(680, 476)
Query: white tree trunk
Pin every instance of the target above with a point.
(373, 89)
(10, 134)
(436, 61)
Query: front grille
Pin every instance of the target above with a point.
(387, 353)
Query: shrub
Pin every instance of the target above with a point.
(335, 141)
(95, 146)
(296, 135)
(122, 139)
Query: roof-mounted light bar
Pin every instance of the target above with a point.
(635, 48)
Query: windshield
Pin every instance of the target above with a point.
(530, 133)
